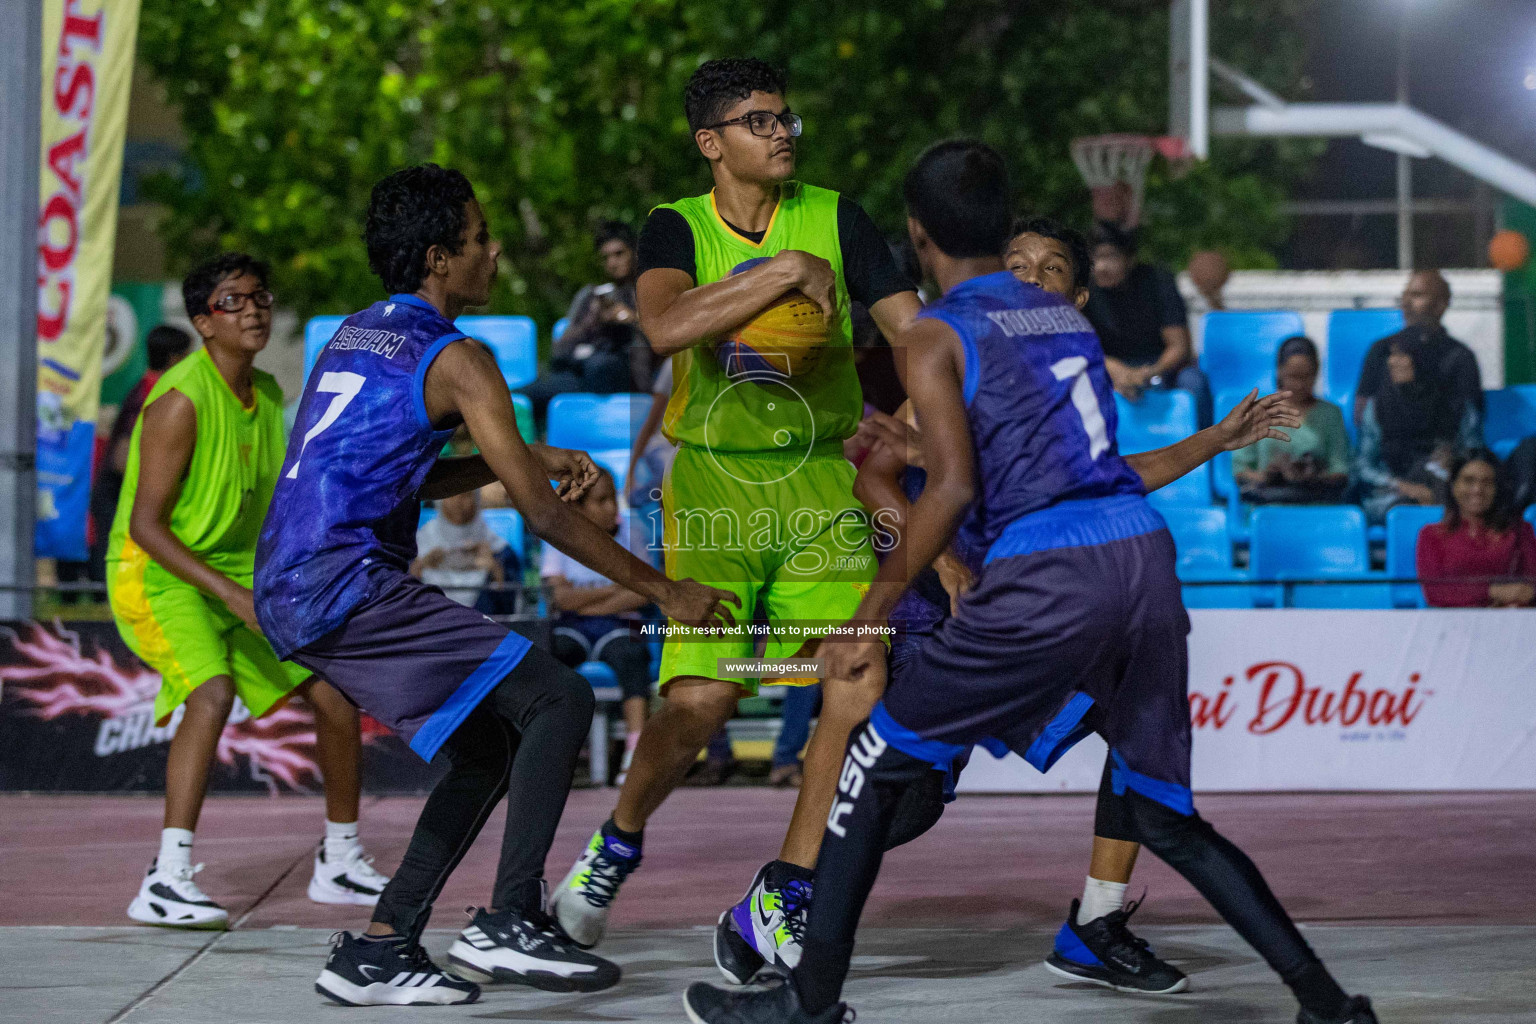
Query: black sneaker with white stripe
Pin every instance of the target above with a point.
(388, 972)
(529, 948)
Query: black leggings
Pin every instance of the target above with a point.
(521, 741)
(922, 804)
(871, 790)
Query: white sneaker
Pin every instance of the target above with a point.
(171, 899)
(584, 897)
(352, 881)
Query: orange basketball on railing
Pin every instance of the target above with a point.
(1508, 250)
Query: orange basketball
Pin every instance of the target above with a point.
(784, 340)
(1508, 250)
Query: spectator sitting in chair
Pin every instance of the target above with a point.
(458, 551)
(1314, 465)
(1424, 301)
(1481, 537)
(602, 350)
(1410, 431)
(1142, 323)
(596, 617)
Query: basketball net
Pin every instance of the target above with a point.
(1115, 170)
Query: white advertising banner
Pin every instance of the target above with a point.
(1339, 700)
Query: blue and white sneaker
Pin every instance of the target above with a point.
(584, 897)
(765, 929)
(1104, 952)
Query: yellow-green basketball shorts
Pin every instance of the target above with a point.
(189, 638)
(781, 530)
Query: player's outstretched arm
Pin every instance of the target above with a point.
(455, 475)
(1252, 420)
(935, 369)
(166, 440)
(674, 314)
(464, 379)
(573, 471)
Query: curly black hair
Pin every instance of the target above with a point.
(718, 84)
(958, 191)
(199, 284)
(1077, 245)
(408, 213)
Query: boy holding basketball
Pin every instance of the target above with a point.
(760, 498)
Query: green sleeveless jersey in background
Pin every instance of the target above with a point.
(711, 410)
(233, 471)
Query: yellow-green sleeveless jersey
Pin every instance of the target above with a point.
(229, 480)
(710, 409)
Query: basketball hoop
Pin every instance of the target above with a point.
(1115, 169)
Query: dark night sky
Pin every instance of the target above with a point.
(1467, 62)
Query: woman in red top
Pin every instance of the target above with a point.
(1480, 537)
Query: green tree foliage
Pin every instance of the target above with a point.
(564, 112)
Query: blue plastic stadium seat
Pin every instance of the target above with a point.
(1156, 419)
(317, 332)
(559, 328)
(1205, 558)
(1351, 333)
(1200, 537)
(1403, 525)
(1192, 490)
(1530, 515)
(1510, 418)
(1239, 346)
(428, 513)
(506, 524)
(589, 422)
(514, 340)
(1312, 542)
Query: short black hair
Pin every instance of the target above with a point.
(614, 230)
(1124, 239)
(166, 344)
(719, 84)
(1298, 345)
(1077, 245)
(958, 192)
(200, 282)
(408, 213)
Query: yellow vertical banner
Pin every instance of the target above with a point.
(87, 68)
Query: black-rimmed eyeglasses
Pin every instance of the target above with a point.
(763, 122)
(235, 302)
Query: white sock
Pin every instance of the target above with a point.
(340, 840)
(175, 849)
(1100, 898)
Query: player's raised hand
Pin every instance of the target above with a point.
(574, 470)
(1255, 418)
(815, 278)
(697, 605)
